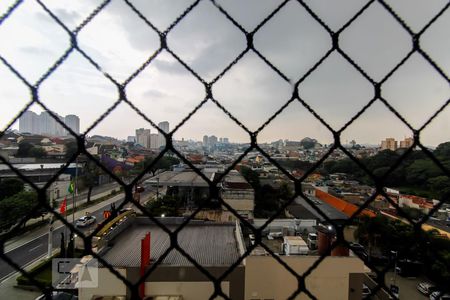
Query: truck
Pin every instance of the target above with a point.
(295, 245)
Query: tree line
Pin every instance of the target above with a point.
(16, 203)
(384, 235)
(417, 173)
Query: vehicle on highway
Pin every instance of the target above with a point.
(438, 295)
(85, 221)
(426, 288)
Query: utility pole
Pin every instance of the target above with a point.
(75, 192)
(395, 265)
(50, 228)
(157, 188)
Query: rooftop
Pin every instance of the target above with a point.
(209, 244)
(234, 180)
(182, 178)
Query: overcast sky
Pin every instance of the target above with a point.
(292, 40)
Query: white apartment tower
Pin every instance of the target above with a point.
(45, 124)
(164, 126)
(143, 137)
(154, 141)
(73, 122)
(28, 122)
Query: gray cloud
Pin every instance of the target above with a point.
(208, 42)
(154, 94)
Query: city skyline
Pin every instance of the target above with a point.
(44, 123)
(165, 90)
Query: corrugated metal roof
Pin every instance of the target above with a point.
(210, 245)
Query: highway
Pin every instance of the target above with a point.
(38, 247)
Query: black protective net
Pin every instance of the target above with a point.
(209, 97)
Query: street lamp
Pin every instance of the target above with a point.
(157, 188)
(395, 264)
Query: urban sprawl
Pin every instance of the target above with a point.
(303, 197)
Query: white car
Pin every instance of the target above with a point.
(85, 221)
(426, 288)
(437, 295)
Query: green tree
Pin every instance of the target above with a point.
(167, 205)
(439, 185)
(307, 144)
(9, 187)
(71, 149)
(37, 152)
(89, 178)
(420, 170)
(251, 176)
(16, 207)
(24, 149)
(27, 149)
(164, 163)
(443, 151)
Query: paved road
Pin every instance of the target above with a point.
(38, 247)
(407, 286)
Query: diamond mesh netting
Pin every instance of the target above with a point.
(209, 97)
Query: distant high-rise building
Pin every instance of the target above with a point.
(48, 125)
(389, 144)
(164, 126)
(28, 122)
(220, 140)
(143, 137)
(212, 140)
(205, 140)
(131, 139)
(226, 140)
(407, 142)
(73, 122)
(45, 124)
(154, 141)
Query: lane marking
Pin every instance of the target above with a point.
(40, 236)
(34, 248)
(4, 278)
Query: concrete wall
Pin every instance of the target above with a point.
(190, 282)
(108, 285)
(265, 278)
(240, 204)
(189, 290)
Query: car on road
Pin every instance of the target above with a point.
(85, 221)
(426, 288)
(438, 295)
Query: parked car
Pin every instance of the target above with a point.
(365, 291)
(312, 241)
(438, 295)
(359, 250)
(85, 221)
(426, 288)
(58, 296)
